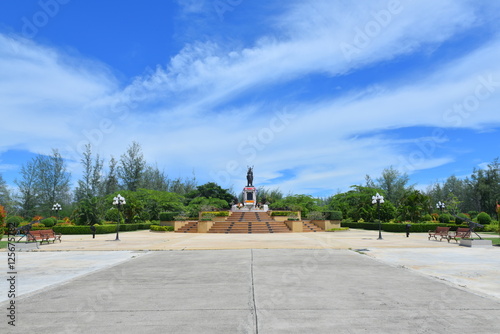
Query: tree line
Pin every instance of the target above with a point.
(45, 180)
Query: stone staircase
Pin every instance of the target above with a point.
(249, 222)
(191, 227)
(309, 227)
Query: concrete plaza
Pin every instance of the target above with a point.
(341, 282)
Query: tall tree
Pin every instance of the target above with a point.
(111, 180)
(154, 179)
(52, 180)
(394, 184)
(5, 196)
(132, 165)
(27, 196)
(91, 184)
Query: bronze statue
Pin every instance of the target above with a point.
(250, 177)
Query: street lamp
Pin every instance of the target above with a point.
(440, 205)
(57, 208)
(119, 200)
(378, 199)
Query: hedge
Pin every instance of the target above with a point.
(161, 228)
(282, 213)
(100, 229)
(217, 213)
(391, 227)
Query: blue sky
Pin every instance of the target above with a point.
(314, 94)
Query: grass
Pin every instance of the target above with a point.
(495, 241)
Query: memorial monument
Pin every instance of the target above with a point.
(250, 197)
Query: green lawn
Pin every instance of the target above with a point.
(496, 241)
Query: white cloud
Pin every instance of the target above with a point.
(183, 116)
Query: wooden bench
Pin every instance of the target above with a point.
(440, 231)
(462, 232)
(43, 236)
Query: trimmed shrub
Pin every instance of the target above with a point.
(14, 220)
(281, 213)
(162, 228)
(473, 214)
(129, 227)
(460, 219)
(316, 215)
(100, 229)
(168, 216)
(483, 218)
(49, 222)
(144, 226)
(427, 218)
(444, 218)
(390, 227)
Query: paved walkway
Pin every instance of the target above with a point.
(342, 282)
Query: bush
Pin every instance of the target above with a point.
(460, 218)
(49, 222)
(168, 216)
(473, 214)
(444, 218)
(144, 226)
(483, 218)
(333, 215)
(427, 218)
(391, 227)
(100, 229)
(316, 215)
(112, 215)
(281, 213)
(14, 220)
(162, 228)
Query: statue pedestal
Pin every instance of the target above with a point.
(249, 196)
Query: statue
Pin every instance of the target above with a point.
(250, 177)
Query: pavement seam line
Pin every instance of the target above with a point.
(256, 319)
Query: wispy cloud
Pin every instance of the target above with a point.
(202, 111)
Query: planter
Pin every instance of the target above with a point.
(326, 224)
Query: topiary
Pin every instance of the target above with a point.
(445, 218)
(427, 218)
(483, 218)
(460, 218)
(14, 221)
(49, 222)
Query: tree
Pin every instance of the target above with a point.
(212, 190)
(413, 205)
(90, 185)
(393, 183)
(5, 197)
(52, 180)
(111, 180)
(28, 198)
(357, 204)
(132, 165)
(154, 179)
(303, 203)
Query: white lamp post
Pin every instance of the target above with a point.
(57, 208)
(378, 199)
(119, 200)
(440, 205)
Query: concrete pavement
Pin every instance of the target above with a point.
(320, 283)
